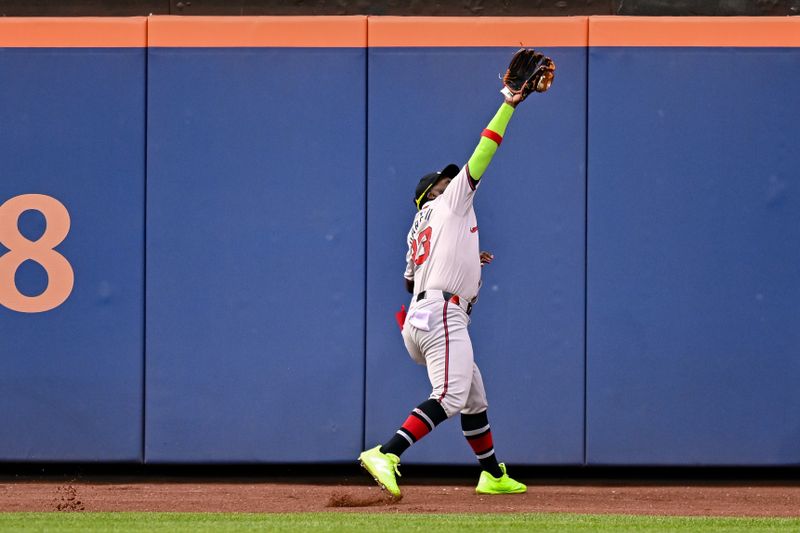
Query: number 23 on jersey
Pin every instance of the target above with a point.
(421, 246)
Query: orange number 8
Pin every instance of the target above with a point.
(60, 277)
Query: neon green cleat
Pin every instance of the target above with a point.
(383, 467)
(488, 484)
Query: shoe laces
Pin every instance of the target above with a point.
(395, 461)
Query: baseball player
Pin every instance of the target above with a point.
(443, 271)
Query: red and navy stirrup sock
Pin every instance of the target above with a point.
(479, 436)
(419, 423)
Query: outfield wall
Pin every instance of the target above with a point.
(72, 128)
(228, 200)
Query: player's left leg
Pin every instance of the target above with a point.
(478, 432)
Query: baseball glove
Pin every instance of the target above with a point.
(528, 71)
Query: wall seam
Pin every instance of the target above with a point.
(586, 260)
(366, 234)
(144, 242)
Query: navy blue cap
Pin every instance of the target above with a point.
(429, 180)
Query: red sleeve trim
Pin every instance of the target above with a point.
(489, 134)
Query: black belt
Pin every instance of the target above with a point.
(449, 297)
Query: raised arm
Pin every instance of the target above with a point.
(529, 71)
(491, 138)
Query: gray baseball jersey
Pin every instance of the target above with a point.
(443, 249)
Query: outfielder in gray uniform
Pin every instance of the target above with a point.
(443, 271)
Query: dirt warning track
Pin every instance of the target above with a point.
(431, 496)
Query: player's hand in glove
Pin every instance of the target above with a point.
(528, 71)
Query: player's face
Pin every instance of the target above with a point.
(439, 188)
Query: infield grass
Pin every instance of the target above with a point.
(381, 522)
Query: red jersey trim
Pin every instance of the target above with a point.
(446, 353)
(472, 183)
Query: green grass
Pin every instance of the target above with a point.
(379, 522)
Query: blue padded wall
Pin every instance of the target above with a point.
(272, 214)
(527, 328)
(255, 254)
(73, 128)
(693, 253)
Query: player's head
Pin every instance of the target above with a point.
(422, 193)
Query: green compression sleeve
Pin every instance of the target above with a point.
(491, 138)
